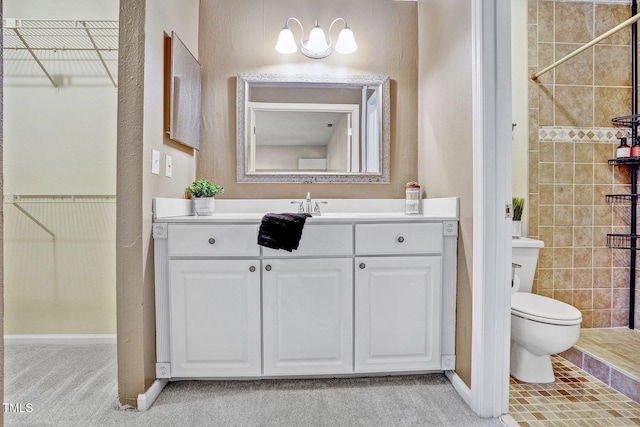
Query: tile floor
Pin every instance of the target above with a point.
(611, 356)
(576, 398)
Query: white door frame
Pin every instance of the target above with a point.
(491, 191)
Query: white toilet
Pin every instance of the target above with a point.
(540, 326)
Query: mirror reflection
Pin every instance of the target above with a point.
(312, 129)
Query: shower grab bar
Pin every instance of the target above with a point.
(612, 31)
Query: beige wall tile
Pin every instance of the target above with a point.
(546, 149)
(602, 257)
(562, 278)
(584, 152)
(546, 215)
(602, 173)
(562, 258)
(573, 106)
(608, 16)
(583, 194)
(545, 104)
(583, 237)
(547, 194)
(603, 152)
(611, 102)
(564, 152)
(582, 258)
(583, 216)
(602, 298)
(532, 54)
(578, 70)
(573, 22)
(545, 21)
(584, 173)
(583, 277)
(563, 194)
(563, 215)
(546, 172)
(563, 173)
(562, 237)
(611, 65)
(583, 299)
(602, 215)
(601, 318)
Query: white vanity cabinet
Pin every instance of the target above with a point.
(397, 313)
(215, 318)
(398, 298)
(363, 294)
(308, 316)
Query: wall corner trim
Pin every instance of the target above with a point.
(146, 399)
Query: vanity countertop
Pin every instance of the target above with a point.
(335, 211)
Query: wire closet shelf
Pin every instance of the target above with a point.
(63, 51)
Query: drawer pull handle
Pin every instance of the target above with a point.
(212, 241)
(268, 267)
(400, 239)
(252, 269)
(362, 266)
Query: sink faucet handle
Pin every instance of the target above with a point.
(316, 208)
(300, 205)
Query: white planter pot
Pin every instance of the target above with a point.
(517, 229)
(204, 206)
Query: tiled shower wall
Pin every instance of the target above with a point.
(571, 140)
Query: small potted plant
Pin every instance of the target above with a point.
(202, 192)
(518, 208)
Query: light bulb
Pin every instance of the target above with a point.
(286, 42)
(346, 42)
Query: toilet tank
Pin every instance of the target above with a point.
(525, 252)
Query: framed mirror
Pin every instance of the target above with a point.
(183, 80)
(305, 128)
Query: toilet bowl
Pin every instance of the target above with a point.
(540, 326)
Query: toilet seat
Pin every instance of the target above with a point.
(545, 310)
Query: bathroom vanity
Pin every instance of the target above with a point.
(370, 290)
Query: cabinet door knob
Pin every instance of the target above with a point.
(400, 239)
(267, 267)
(362, 265)
(212, 240)
(252, 269)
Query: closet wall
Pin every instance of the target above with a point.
(59, 187)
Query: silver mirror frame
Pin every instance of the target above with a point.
(243, 81)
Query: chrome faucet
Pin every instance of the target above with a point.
(309, 208)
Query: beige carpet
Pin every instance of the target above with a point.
(75, 385)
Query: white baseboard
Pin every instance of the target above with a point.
(146, 399)
(460, 386)
(60, 339)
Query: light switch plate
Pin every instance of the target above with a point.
(155, 162)
(167, 166)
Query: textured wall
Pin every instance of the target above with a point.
(240, 36)
(445, 133)
(570, 141)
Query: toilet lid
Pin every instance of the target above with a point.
(543, 309)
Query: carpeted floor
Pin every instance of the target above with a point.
(75, 385)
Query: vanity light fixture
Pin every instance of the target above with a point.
(316, 46)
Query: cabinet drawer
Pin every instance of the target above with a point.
(320, 239)
(213, 240)
(378, 239)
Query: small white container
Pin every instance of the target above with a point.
(412, 198)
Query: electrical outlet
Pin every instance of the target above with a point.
(155, 162)
(167, 166)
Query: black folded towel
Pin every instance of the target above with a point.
(281, 230)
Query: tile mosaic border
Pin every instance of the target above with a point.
(575, 134)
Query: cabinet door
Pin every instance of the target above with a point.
(215, 318)
(307, 313)
(397, 313)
